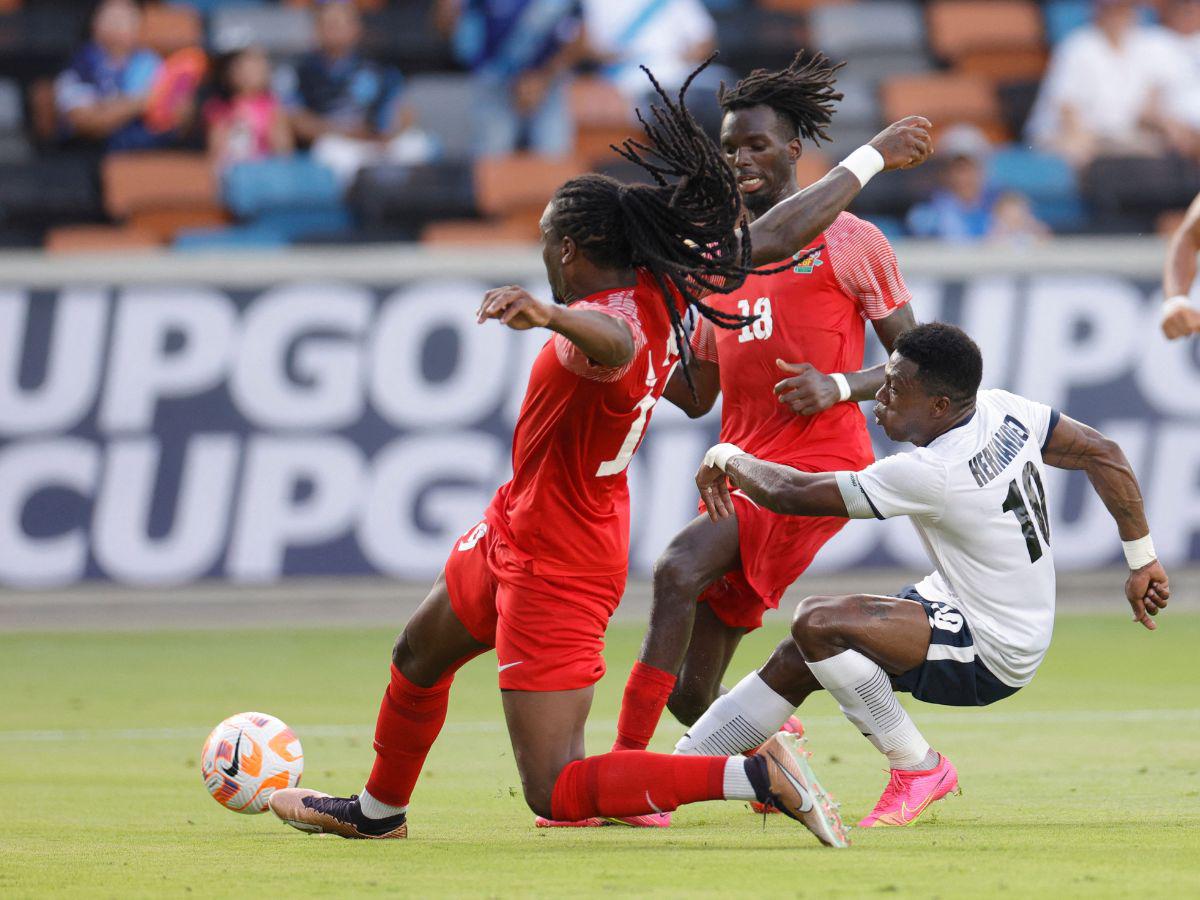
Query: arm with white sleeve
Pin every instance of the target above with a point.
(1073, 445)
(906, 484)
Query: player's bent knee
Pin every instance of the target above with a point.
(674, 577)
(688, 705)
(817, 620)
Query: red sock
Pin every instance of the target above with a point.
(410, 719)
(646, 694)
(634, 783)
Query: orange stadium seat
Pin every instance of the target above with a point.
(998, 39)
(166, 29)
(134, 182)
(945, 98)
(520, 184)
(602, 117)
(161, 191)
(99, 239)
(364, 5)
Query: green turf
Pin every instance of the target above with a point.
(1085, 783)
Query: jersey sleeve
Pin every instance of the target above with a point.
(1039, 418)
(866, 267)
(704, 340)
(907, 484)
(621, 306)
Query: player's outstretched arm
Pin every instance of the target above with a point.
(780, 489)
(808, 391)
(1179, 317)
(793, 223)
(604, 339)
(1073, 445)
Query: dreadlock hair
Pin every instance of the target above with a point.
(687, 229)
(803, 94)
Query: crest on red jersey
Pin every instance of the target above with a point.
(807, 260)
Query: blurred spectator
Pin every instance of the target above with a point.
(245, 120)
(1183, 18)
(522, 53)
(965, 208)
(1115, 88)
(669, 37)
(348, 108)
(103, 93)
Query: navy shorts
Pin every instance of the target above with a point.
(952, 674)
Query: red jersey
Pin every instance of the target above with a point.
(566, 509)
(814, 312)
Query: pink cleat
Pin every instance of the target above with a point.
(651, 820)
(791, 726)
(908, 794)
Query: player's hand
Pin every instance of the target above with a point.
(1181, 323)
(713, 485)
(1147, 591)
(904, 144)
(807, 391)
(514, 307)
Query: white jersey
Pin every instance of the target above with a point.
(977, 499)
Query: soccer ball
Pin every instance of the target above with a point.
(247, 758)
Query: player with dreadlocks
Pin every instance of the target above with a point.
(717, 578)
(539, 577)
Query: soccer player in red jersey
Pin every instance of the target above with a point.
(716, 579)
(540, 576)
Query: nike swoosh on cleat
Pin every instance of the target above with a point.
(237, 763)
(907, 815)
(806, 800)
(509, 665)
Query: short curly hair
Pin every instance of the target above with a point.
(948, 362)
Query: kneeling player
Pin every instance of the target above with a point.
(975, 630)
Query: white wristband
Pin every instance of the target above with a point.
(1139, 553)
(720, 455)
(843, 386)
(1182, 301)
(866, 162)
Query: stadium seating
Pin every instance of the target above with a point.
(848, 31)
(998, 39)
(602, 117)
(153, 182)
(280, 30)
(166, 29)
(100, 239)
(444, 105)
(47, 192)
(1127, 194)
(406, 196)
(254, 188)
(1048, 182)
(946, 98)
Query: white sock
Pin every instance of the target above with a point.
(737, 782)
(864, 692)
(377, 809)
(737, 721)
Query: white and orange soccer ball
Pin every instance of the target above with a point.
(247, 758)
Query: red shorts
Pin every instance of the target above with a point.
(775, 551)
(548, 630)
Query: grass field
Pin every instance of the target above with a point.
(1085, 783)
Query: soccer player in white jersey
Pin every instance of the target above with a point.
(975, 630)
